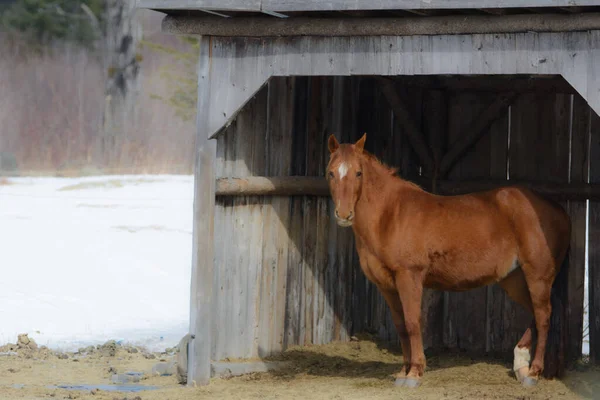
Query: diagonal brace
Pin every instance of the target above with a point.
(415, 136)
(477, 129)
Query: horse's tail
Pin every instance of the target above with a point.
(554, 360)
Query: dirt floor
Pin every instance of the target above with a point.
(357, 370)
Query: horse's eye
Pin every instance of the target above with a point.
(330, 174)
(358, 174)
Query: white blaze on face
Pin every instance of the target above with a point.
(343, 170)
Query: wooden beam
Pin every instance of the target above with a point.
(498, 84)
(437, 25)
(400, 110)
(557, 191)
(321, 5)
(273, 186)
(344, 5)
(220, 5)
(494, 11)
(477, 129)
(317, 186)
(571, 10)
(200, 346)
(422, 13)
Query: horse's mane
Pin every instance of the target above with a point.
(391, 170)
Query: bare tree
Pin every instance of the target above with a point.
(122, 67)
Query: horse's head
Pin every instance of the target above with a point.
(344, 174)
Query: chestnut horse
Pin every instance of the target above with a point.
(408, 239)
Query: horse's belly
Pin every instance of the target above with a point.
(465, 275)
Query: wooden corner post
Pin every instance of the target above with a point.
(199, 361)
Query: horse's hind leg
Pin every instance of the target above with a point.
(540, 288)
(516, 287)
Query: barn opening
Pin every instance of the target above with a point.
(289, 275)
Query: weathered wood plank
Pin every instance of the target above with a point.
(201, 306)
(238, 255)
(337, 5)
(495, 296)
(294, 304)
(580, 131)
(221, 209)
(415, 136)
(322, 312)
(276, 219)
(594, 249)
(594, 208)
(342, 5)
(559, 128)
(522, 53)
(466, 329)
(264, 26)
(311, 221)
(224, 5)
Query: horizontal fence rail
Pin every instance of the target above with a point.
(317, 186)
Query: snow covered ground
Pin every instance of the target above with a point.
(85, 260)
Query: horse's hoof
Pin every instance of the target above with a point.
(412, 382)
(400, 382)
(529, 381)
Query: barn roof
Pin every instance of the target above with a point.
(367, 8)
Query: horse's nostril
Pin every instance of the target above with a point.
(350, 216)
(336, 214)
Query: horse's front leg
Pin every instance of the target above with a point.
(410, 289)
(393, 301)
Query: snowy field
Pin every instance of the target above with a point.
(85, 260)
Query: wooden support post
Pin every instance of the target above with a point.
(415, 136)
(594, 247)
(476, 130)
(203, 238)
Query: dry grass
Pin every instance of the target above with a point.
(51, 112)
(356, 370)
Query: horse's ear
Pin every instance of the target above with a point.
(333, 144)
(360, 144)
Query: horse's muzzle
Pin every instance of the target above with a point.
(344, 222)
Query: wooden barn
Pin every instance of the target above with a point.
(460, 95)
